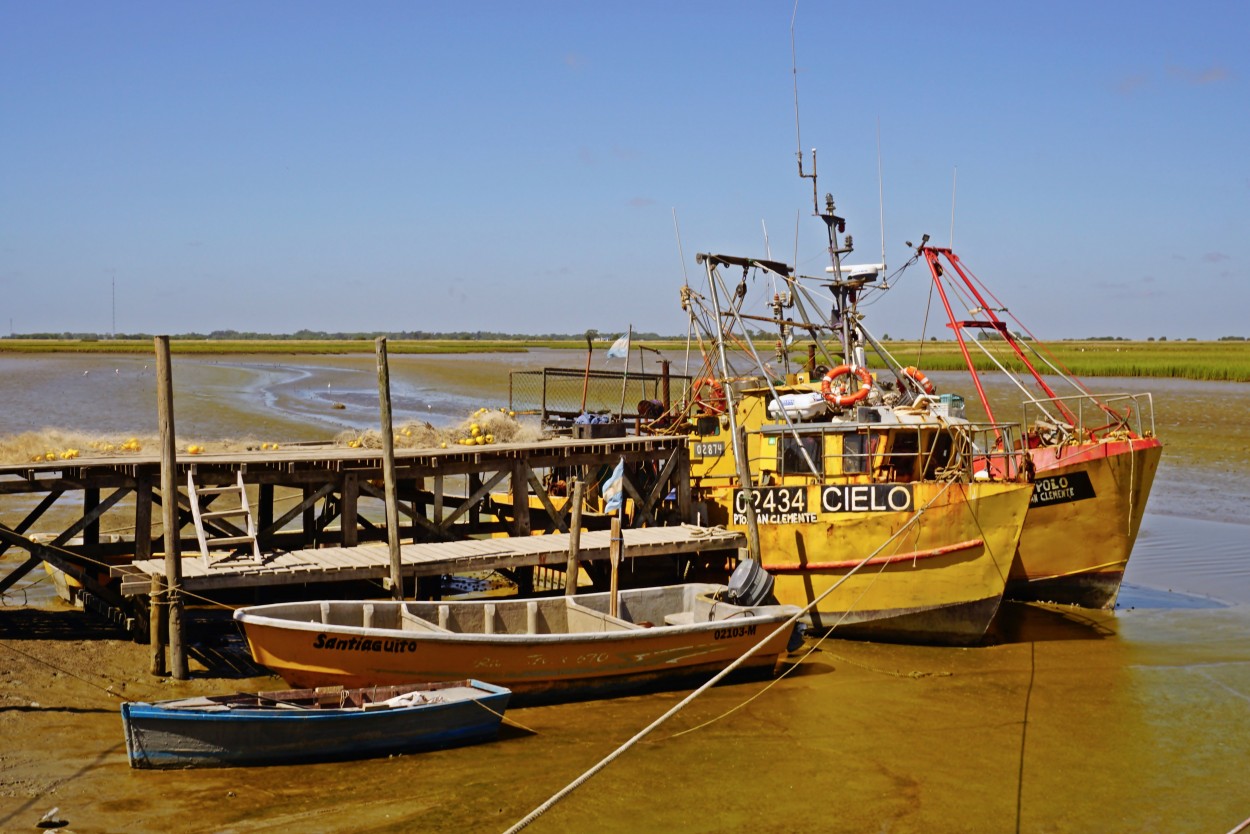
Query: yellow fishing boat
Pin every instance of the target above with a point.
(879, 505)
(1094, 456)
(891, 512)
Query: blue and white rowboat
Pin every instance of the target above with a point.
(307, 725)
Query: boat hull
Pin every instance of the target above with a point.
(511, 642)
(939, 582)
(161, 736)
(1083, 521)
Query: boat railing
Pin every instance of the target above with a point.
(1078, 417)
(559, 395)
(889, 453)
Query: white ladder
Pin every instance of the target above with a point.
(234, 544)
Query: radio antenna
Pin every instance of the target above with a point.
(881, 200)
(794, 70)
(798, 140)
(768, 252)
(954, 182)
(680, 254)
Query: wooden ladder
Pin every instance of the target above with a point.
(236, 544)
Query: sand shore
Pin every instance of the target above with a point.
(1070, 721)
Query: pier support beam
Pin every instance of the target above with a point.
(169, 508)
(575, 538)
(388, 470)
(348, 520)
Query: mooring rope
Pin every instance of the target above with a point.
(504, 718)
(795, 665)
(165, 590)
(107, 689)
(621, 750)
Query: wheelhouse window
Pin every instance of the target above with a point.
(790, 458)
(855, 454)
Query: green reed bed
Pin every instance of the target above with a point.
(1213, 361)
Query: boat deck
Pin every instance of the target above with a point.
(372, 561)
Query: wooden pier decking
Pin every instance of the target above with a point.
(372, 562)
(459, 495)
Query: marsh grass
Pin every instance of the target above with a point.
(1209, 361)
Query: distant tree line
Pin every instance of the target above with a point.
(478, 335)
(322, 336)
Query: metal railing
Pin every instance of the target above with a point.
(1096, 416)
(963, 451)
(558, 394)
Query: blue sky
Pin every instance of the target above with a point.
(275, 166)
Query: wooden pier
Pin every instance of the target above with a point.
(372, 562)
(450, 501)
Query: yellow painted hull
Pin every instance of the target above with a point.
(539, 666)
(940, 581)
(1086, 514)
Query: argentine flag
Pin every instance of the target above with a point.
(614, 488)
(620, 348)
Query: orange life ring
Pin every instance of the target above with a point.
(708, 403)
(917, 376)
(843, 400)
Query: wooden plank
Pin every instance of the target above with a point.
(429, 558)
(330, 557)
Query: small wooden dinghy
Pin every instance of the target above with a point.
(556, 648)
(307, 725)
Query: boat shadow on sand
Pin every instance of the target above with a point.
(1029, 622)
(1033, 622)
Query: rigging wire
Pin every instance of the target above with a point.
(640, 735)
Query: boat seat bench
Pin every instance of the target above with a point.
(411, 622)
(582, 618)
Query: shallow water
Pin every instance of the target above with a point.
(1067, 721)
(291, 398)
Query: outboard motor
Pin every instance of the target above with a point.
(750, 584)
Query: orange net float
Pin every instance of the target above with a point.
(843, 400)
(917, 376)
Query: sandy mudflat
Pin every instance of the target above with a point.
(1070, 721)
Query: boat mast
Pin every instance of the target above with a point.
(731, 407)
(986, 319)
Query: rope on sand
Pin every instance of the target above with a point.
(618, 752)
